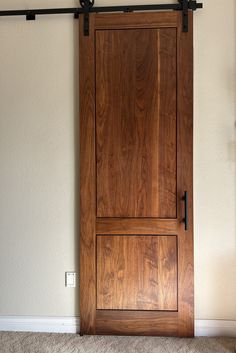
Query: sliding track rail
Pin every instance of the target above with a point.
(87, 7)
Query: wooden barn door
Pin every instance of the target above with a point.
(136, 221)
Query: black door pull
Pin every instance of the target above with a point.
(186, 210)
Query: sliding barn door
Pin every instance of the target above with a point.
(136, 233)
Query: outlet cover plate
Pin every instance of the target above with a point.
(70, 279)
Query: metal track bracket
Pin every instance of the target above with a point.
(87, 7)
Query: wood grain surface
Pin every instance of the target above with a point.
(137, 272)
(185, 178)
(136, 226)
(146, 323)
(136, 160)
(87, 183)
(136, 123)
(167, 19)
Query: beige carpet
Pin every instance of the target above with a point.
(11, 342)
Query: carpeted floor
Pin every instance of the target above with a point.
(11, 342)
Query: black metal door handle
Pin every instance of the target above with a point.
(186, 210)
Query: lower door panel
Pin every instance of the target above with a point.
(136, 272)
(137, 291)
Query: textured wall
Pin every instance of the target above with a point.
(38, 144)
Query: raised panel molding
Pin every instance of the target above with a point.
(48, 324)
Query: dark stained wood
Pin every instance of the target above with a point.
(87, 183)
(137, 20)
(136, 123)
(136, 226)
(137, 272)
(185, 178)
(147, 323)
(167, 149)
(153, 28)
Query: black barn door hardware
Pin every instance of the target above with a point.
(185, 15)
(185, 198)
(87, 7)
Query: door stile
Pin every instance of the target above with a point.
(185, 178)
(87, 181)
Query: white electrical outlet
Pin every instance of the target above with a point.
(70, 279)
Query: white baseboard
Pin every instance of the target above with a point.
(39, 324)
(215, 328)
(207, 328)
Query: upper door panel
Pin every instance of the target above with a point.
(136, 123)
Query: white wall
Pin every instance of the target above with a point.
(215, 160)
(38, 80)
(38, 143)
